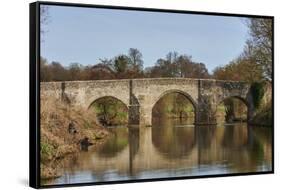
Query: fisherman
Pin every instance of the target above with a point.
(85, 143)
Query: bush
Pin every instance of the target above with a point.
(47, 151)
(257, 90)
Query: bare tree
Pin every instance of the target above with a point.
(261, 43)
(44, 19)
(135, 57)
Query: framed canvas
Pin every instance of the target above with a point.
(123, 94)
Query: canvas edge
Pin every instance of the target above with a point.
(34, 99)
(34, 93)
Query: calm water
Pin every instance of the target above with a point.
(172, 148)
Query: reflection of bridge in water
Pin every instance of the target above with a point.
(151, 149)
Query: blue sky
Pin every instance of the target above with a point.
(85, 35)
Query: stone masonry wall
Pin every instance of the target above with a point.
(140, 95)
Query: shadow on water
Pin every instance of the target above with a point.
(172, 148)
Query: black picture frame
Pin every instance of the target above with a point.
(34, 91)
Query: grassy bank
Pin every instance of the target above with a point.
(57, 140)
(263, 116)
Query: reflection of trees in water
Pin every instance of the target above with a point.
(172, 142)
(234, 145)
(264, 134)
(261, 146)
(114, 144)
(235, 136)
(238, 148)
(205, 135)
(242, 148)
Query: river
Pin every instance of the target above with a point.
(171, 148)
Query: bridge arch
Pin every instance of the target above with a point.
(185, 94)
(176, 91)
(99, 98)
(108, 103)
(234, 97)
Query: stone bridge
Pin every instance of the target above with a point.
(140, 95)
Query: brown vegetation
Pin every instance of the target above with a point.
(57, 140)
(255, 62)
(125, 67)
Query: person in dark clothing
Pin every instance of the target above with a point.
(85, 143)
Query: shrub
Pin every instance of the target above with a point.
(257, 90)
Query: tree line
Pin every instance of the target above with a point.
(125, 66)
(254, 64)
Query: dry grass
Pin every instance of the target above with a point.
(56, 141)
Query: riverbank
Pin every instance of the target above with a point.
(263, 117)
(63, 129)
